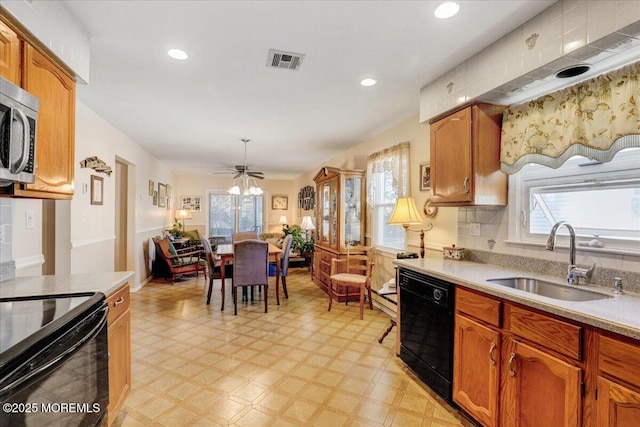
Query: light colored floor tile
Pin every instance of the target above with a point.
(297, 365)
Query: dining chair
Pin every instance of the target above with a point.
(250, 268)
(214, 269)
(354, 271)
(243, 235)
(284, 264)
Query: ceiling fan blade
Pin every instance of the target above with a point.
(224, 173)
(257, 175)
(238, 175)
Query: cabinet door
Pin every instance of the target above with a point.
(617, 406)
(56, 125)
(451, 173)
(119, 364)
(539, 389)
(476, 370)
(9, 54)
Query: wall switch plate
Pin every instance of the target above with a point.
(29, 221)
(474, 229)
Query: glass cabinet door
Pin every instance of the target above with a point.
(333, 214)
(352, 210)
(324, 212)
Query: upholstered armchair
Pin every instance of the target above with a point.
(181, 262)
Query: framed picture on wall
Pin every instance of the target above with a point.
(280, 203)
(425, 176)
(152, 187)
(162, 195)
(191, 203)
(155, 198)
(97, 190)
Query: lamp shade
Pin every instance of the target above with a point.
(183, 214)
(307, 223)
(405, 213)
(283, 220)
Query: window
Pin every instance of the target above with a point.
(600, 200)
(229, 214)
(387, 179)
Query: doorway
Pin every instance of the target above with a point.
(121, 221)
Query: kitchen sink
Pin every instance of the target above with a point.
(548, 289)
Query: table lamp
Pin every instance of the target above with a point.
(183, 214)
(306, 225)
(283, 221)
(405, 213)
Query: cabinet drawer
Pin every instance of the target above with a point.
(620, 359)
(554, 334)
(118, 303)
(479, 306)
(327, 257)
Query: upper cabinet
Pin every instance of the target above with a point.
(465, 158)
(9, 54)
(56, 90)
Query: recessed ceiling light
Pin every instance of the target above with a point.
(368, 82)
(446, 10)
(177, 54)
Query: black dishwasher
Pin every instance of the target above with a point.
(426, 329)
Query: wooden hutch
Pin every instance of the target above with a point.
(340, 220)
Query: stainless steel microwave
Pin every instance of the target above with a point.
(18, 120)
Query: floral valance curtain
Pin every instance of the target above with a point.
(395, 160)
(596, 119)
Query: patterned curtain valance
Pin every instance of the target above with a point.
(595, 119)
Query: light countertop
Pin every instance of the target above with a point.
(620, 314)
(106, 283)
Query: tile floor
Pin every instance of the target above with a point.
(297, 365)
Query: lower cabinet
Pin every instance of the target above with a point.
(539, 389)
(617, 405)
(119, 336)
(618, 395)
(476, 369)
(514, 366)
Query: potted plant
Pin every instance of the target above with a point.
(176, 230)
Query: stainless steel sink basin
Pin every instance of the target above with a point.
(548, 289)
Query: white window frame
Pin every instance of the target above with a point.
(378, 224)
(236, 219)
(577, 171)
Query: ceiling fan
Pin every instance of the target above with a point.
(241, 171)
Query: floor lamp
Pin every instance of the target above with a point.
(405, 213)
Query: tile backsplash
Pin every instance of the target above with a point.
(483, 231)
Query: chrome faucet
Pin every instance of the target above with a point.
(574, 273)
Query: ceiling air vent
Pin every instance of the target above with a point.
(282, 59)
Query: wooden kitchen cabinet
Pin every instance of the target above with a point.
(538, 388)
(465, 158)
(119, 337)
(514, 366)
(53, 84)
(618, 395)
(339, 221)
(9, 54)
(476, 369)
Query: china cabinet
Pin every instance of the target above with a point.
(339, 219)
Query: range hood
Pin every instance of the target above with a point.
(608, 53)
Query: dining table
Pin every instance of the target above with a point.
(225, 254)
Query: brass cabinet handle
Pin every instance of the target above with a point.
(465, 185)
(512, 371)
(118, 302)
(493, 347)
